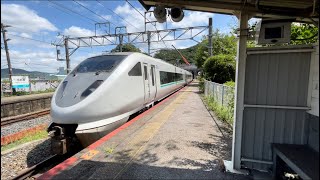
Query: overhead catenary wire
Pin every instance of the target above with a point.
(117, 15)
(30, 38)
(25, 37)
(63, 10)
(147, 20)
(73, 11)
(94, 12)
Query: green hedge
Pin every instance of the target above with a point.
(220, 68)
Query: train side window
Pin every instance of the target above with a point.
(167, 77)
(145, 73)
(152, 75)
(178, 77)
(136, 70)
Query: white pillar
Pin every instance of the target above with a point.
(239, 90)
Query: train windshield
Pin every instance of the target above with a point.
(99, 64)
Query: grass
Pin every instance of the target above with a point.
(201, 84)
(109, 150)
(32, 137)
(224, 113)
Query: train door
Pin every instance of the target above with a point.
(153, 84)
(146, 83)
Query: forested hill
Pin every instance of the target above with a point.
(171, 55)
(32, 74)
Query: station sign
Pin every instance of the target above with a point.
(20, 82)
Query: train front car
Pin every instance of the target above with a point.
(93, 100)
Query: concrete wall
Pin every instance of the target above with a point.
(13, 106)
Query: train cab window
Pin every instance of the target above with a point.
(99, 64)
(145, 73)
(136, 70)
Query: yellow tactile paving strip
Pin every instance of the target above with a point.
(139, 142)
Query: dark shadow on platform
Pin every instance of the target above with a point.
(87, 169)
(119, 165)
(193, 85)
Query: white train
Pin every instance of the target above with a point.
(102, 92)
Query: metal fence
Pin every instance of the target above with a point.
(221, 93)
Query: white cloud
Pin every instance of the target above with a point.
(21, 17)
(44, 61)
(22, 40)
(193, 18)
(133, 20)
(75, 31)
(26, 35)
(106, 17)
(46, 57)
(26, 24)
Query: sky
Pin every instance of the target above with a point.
(35, 25)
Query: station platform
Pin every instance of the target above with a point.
(175, 139)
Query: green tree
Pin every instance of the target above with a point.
(302, 33)
(221, 43)
(171, 55)
(220, 68)
(126, 48)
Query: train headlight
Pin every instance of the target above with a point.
(91, 88)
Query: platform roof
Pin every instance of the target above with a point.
(300, 10)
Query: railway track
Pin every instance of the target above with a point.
(24, 117)
(34, 170)
(37, 170)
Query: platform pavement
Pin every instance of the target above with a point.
(177, 139)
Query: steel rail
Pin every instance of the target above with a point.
(10, 120)
(32, 170)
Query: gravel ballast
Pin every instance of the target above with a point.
(20, 126)
(15, 161)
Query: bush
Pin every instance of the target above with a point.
(20, 93)
(230, 84)
(201, 84)
(219, 68)
(222, 44)
(222, 112)
(231, 97)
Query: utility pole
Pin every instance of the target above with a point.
(3, 30)
(148, 38)
(120, 42)
(67, 54)
(210, 36)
